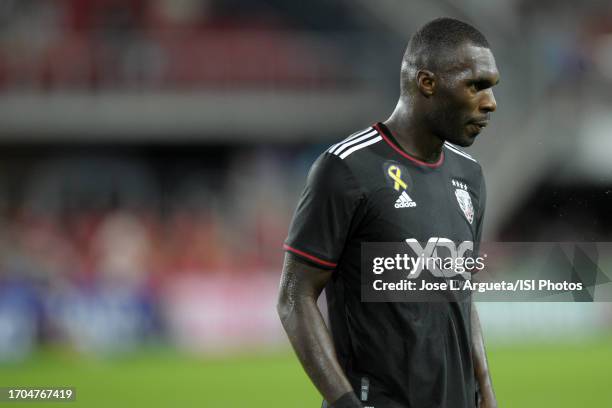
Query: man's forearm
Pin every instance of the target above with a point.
(313, 345)
(481, 365)
(300, 288)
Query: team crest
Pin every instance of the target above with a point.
(464, 200)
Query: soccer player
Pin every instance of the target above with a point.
(403, 178)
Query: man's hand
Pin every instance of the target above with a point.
(348, 400)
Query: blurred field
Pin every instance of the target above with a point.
(571, 375)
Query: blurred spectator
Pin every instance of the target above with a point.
(161, 44)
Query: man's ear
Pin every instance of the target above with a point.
(426, 82)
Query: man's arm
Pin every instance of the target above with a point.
(300, 288)
(481, 366)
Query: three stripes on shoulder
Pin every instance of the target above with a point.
(354, 142)
(456, 150)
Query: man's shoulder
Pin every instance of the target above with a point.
(345, 163)
(354, 145)
(461, 158)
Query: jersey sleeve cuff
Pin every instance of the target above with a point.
(310, 258)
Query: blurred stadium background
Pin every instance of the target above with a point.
(152, 152)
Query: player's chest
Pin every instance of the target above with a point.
(414, 204)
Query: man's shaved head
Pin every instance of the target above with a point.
(432, 48)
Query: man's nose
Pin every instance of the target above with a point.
(488, 103)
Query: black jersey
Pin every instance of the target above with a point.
(366, 188)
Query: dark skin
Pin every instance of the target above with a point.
(300, 288)
(452, 104)
(481, 365)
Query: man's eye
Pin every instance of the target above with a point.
(479, 85)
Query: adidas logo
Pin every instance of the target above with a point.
(404, 201)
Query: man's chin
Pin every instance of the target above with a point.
(465, 141)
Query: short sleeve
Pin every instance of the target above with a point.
(324, 214)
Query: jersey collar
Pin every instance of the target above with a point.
(388, 137)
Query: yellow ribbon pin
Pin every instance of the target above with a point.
(396, 174)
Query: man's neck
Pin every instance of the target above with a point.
(412, 134)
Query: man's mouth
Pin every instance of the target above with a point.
(480, 123)
(477, 125)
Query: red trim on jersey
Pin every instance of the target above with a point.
(406, 155)
(308, 256)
